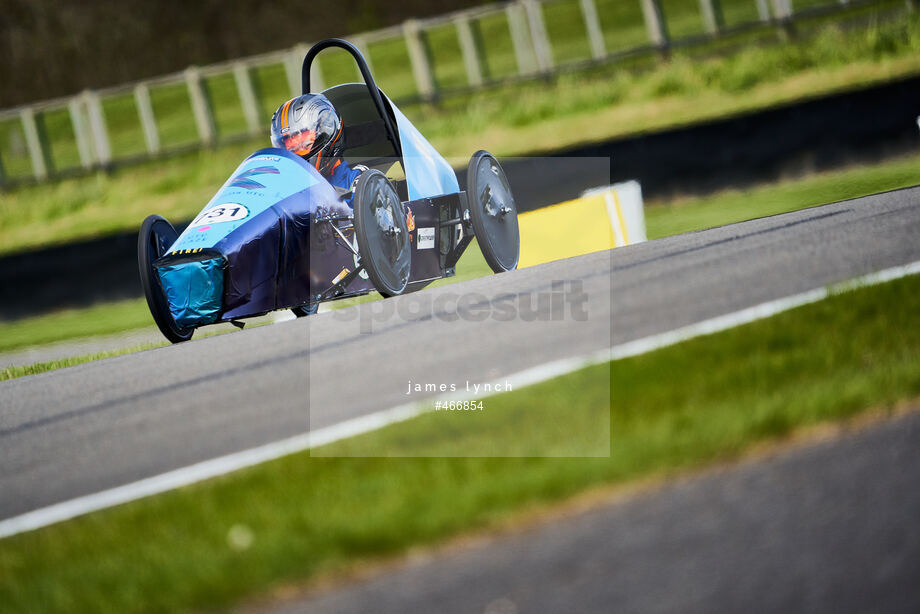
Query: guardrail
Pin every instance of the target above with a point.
(149, 118)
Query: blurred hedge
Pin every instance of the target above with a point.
(50, 48)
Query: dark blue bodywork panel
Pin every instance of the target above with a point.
(256, 247)
(260, 223)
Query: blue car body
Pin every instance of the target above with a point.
(255, 247)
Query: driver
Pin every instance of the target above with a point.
(310, 127)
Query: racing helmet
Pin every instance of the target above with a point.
(309, 126)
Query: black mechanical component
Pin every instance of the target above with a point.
(374, 91)
(458, 231)
(306, 310)
(382, 233)
(155, 237)
(338, 289)
(492, 212)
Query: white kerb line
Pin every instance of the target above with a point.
(222, 465)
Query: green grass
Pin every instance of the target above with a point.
(727, 207)
(306, 515)
(51, 365)
(106, 318)
(648, 95)
(597, 105)
(125, 132)
(102, 204)
(60, 133)
(113, 318)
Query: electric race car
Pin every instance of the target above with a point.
(278, 235)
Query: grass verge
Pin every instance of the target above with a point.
(50, 365)
(214, 544)
(102, 319)
(730, 206)
(520, 120)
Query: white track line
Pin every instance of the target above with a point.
(232, 462)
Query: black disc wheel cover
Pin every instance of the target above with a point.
(493, 212)
(155, 237)
(382, 233)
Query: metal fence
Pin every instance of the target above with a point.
(428, 59)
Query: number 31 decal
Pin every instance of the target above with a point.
(227, 212)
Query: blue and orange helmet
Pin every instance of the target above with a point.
(309, 126)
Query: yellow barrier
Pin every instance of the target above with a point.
(588, 224)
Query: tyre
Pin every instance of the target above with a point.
(155, 237)
(493, 212)
(382, 233)
(306, 310)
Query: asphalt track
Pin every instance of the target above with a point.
(830, 528)
(88, 428)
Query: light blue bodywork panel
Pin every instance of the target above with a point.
(194, 290)
(427, 172)
(260, 181)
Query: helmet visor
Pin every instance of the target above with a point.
(304, 125)
(300, 143)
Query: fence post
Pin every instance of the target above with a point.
(293, 66)
(655, 24)
(593, 27)
(148, 119)
(782, 12)
(98, 131)
(763, 11)
(201, 106)
(712, 15)
(316, 74)
(293, 63)
(247, 94)
(420, 59)
(782, 9)
(80, 131)
(523, 52)
(472, 58)
(361, 43)
(37, 142)
(538, 36)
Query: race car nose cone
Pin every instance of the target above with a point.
(194, 290)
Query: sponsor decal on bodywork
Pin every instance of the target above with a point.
(244, 179)
(239, 200)
(410, 219)
(226, 212)
(426, 238)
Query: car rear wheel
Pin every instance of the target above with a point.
(155, 237)
(382, 233)
(493, 212)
